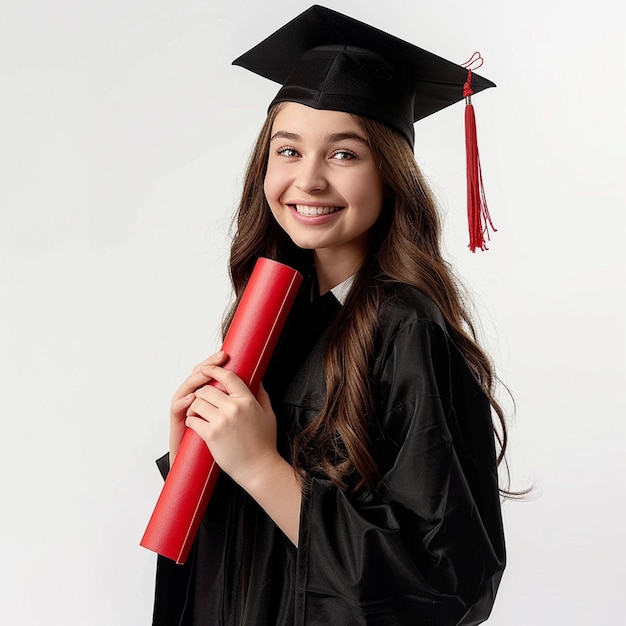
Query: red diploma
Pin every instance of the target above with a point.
(249, 343)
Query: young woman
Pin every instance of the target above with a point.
(360, 485)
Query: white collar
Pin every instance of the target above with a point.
(342, 290)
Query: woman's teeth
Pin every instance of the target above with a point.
(316, 210)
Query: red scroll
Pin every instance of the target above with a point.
(249, 344)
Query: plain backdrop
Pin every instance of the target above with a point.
(124, 131)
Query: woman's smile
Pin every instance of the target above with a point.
(304, 209)
(313, 214)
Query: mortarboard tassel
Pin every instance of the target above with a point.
(479, 220)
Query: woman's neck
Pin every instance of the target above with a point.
(332, 269)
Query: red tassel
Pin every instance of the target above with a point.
(479, 220)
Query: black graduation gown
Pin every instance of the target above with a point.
(426, 549)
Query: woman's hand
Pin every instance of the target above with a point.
(183, 398)
(239, 429)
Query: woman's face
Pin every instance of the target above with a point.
(322, 184)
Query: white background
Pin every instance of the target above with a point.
(124, 132)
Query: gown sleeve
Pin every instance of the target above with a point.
(427, 548)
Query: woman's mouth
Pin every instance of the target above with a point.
(310, 211)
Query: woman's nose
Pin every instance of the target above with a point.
(311, 178)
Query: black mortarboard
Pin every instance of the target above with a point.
(327, 60)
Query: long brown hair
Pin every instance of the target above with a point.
(404, 247)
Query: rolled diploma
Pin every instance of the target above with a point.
(249, 343)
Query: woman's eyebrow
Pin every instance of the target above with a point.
(337, 137)
(332, 138)
(283, 134)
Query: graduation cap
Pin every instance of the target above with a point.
(327, 60)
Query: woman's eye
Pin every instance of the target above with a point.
(287, 152)
(343, 155)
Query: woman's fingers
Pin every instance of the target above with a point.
(185, 396)
(231, 383)
(211, 395)
(198, 377)
(180, 405)
(190, 384)
(212, 400)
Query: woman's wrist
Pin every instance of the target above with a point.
(277, 488)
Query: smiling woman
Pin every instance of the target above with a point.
(323, 187)
(360, 485)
